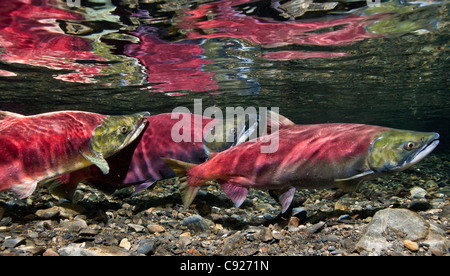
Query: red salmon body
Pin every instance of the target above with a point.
(42, 147)
(307, 157)
(34, 148)
(140, 163)
(157, 141)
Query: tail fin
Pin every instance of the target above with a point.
(180, 168)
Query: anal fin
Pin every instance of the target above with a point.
(285, 197)
(140, 187)
(188, 193)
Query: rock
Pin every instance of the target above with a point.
(437, 239)
(266, 234)
(4, 228)
(146, 246)
(50, 252)
(332, 238)
(88, 232)
(277, 235)
(390, 224)
(125, 244)
(74, 225)
(14, 242)
(136, 227)
(185, 240)
(294, 222)
(48, 213)
(232, 243)
(418, 192)
(34, 250)
(155, 228)
(344, 204)
(197, 223)
(411, 245)
(77, 250)
(315, 227)
(68, 210)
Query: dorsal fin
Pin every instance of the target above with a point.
(276, 121)
(212, 154)
(7, 114)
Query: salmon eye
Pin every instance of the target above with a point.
(409, 145)
(123, 129)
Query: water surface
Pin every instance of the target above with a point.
(318, 61)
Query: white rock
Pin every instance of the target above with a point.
(418, 192)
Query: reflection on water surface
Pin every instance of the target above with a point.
(318, 61)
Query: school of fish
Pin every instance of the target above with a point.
(140, 164)
(62, 149)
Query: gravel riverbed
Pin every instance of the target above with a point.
(407, 213)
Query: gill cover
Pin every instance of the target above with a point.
(396, 150)
(115, 133)
(232, 132)
(229, 132)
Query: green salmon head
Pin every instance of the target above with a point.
(396, 150)
(116, 132)
(230, 132)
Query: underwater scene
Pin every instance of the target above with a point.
(110, 142)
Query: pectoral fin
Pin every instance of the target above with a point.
(356, 176)
(351, 183)
(97, 160)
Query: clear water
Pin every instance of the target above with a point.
(318, 62)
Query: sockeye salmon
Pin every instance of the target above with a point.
(39, 147)
(308, 157)
(140, 164)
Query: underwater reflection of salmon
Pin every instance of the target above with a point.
(308, 157)
(30, 34)
(39, 147)
(225, 21)
(172, 66)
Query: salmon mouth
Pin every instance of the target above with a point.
(140, 126)
(422, 152)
